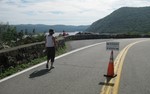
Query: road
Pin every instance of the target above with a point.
(136, 68)
(81, 72)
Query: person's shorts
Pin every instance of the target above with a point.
(51, 53)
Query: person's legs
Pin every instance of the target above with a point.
(48, 57)
(52, 56)
(47, 64)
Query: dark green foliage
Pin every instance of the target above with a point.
(33, 31)
(124, 20)
(11, 70)
(20, 35)
(11, 38)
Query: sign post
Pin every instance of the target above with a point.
(111, 46)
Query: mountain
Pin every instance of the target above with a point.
(123, 20)
(45, 28)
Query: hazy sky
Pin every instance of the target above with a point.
(67, 12)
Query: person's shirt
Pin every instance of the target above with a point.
(64, 34)
(49, 41)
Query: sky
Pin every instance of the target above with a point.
(62, 12)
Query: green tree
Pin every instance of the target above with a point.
(26, 32)
(9, 36)
(20, 35)
(33, 31)
(3, 28)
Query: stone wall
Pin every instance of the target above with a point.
(23, 54)
(82, 37)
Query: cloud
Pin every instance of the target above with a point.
(56, 12)
(69, 12)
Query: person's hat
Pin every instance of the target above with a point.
(51, 31)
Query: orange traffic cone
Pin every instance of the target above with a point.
(110, 71)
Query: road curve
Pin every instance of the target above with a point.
(112, 86)
(135, 74)
(76, 73)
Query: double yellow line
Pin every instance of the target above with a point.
(118, 63)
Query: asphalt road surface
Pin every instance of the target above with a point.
(135, 77)
(81, 72)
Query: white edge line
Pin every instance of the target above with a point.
(23, 71)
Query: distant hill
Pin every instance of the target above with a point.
(45, 28)
(126, 19)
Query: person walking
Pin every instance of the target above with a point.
(50, 44)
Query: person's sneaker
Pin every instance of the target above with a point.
(52, 67)
(47, 66)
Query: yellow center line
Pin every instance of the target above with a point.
(118, 64)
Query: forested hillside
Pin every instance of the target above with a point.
(124, 20)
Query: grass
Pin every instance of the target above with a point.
(21, 67)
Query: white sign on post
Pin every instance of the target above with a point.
(112, 45)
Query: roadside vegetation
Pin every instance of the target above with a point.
(20, 67)
(9, 37)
